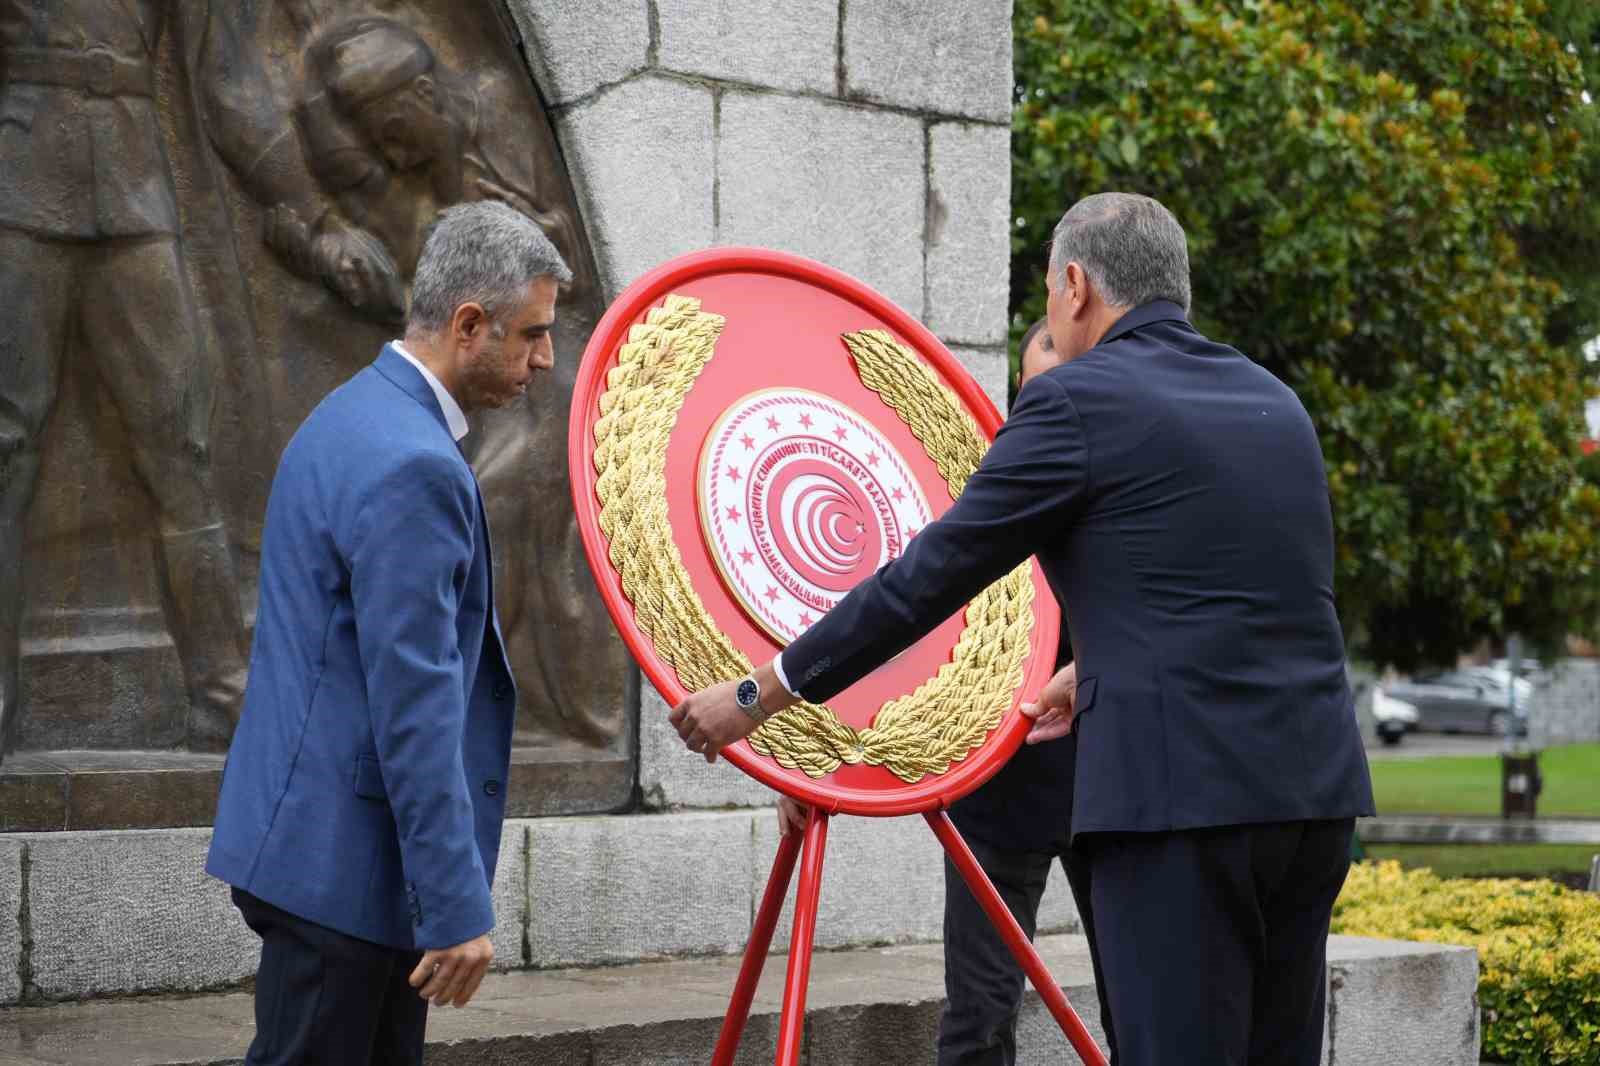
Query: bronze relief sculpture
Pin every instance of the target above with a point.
(209, 213)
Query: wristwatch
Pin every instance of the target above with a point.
(748, 696)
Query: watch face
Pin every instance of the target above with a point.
(747, 693)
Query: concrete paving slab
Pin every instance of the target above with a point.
(877, 1006)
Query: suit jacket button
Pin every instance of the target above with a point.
(491, 788)
(501, 691)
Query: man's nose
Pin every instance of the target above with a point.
(544, 356)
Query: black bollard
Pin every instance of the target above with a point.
(1520, 784)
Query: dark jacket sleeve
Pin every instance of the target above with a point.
(1030, 485)
(411, 554)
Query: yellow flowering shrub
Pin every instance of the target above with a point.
(1538, 952)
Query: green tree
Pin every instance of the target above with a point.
(1393, 206)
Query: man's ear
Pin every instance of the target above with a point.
(1076, 283)
(469, 320)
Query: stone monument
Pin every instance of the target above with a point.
(209, 215)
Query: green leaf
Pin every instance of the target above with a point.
(1130, 150)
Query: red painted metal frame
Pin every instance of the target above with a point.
(1021, 947)
(755, 953)
(791, 1023)
(932, 793)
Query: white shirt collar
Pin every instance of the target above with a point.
(453, 415)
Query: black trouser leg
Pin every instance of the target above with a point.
(1291, 987)
(1214, 940)
(1076, 866)
(982, 981)
(327, 999)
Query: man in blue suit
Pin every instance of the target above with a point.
(360, 815)
(1175, 495)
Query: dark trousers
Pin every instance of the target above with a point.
(1214, 941)
(327, 999)
(982, 981)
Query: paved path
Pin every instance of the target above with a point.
(1430, 745)
(1392, 1003)
(1460, 829)
(626, 1014)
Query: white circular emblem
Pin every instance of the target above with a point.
(801, 498)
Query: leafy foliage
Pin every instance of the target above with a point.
(1538, 952)
(1391, 205)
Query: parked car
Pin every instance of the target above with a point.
(1394, 718)
(1471, 700)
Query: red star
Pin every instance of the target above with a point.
(805, 420)
(747, 557)
(839, 432)
(748, 441)
(733, 514)
(805, 619)
(733, 474)
(772, 421)
(772, 593)
(872, 459)
(899, 496)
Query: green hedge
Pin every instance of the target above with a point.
(1538, 952)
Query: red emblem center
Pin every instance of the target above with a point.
(801, 498)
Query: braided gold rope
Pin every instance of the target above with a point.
(947, 716)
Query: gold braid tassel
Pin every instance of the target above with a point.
(949, 715)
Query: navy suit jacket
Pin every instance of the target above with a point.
(365, 787)
(1175, 495)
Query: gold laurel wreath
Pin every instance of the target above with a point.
(951, 713)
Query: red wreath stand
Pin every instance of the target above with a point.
(784, 317)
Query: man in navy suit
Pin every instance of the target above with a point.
(1175, 495)
(361, 806)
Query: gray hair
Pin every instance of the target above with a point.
(485, 253)
(1131, 247)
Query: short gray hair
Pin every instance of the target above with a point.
(484, 253)
(1131, 247)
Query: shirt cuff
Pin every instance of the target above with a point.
(783, 678)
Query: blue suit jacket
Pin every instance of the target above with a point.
(1175, 495)
(365, 786)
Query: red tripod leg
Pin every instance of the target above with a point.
(793, 1024)
(1006, 925)
(755, 954)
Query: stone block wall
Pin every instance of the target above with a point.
(1567, 705)
(92, 914)
(871, 136)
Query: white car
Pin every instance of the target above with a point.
(1395, 718)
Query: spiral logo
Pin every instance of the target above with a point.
(801, 498)
(830, 534)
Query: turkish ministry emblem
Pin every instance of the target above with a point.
(801, 499)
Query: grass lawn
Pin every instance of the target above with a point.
(1471, 784)
(1491, 860)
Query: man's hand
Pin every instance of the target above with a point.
(792, 816)
(452, 975)
(1053, 713)
(710, 720)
